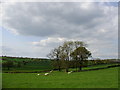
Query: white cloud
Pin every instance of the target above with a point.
(51, 42)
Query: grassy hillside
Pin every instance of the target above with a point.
(27, 64)
(105, 78)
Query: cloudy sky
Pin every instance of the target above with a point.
(32, 29)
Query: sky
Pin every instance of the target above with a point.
(33, 29)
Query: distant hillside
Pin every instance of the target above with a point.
(26, 64)
(10, 57)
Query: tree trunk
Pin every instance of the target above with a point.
(80, 68)
(81, 63)
(8, 68)
(66, 70)
(59, 68)
(76, 69)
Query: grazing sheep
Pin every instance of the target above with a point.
(38, 74)
(51, 71)
(70, 72)
(46, 74)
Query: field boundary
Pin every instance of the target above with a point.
(112, 66)
(102, 68)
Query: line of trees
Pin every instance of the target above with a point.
(9, 64)
(70, 54)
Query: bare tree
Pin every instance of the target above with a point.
(67, 49)
(55, 54)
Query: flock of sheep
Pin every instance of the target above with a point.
(46, 74)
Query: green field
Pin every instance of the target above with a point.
(31, 66)
(105, 78)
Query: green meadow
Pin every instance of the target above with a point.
(104, 78)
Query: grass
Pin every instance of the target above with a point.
(0, 80)
(105, 78)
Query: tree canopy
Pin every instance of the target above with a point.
(69, 51)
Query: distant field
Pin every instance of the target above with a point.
(32, 66)
(105, 78)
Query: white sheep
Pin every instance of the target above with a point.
(70, 72)
(51, 71)
(38, 74)
(46, 74)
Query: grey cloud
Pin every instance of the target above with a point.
(96, 24)
(51, 19)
